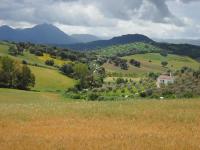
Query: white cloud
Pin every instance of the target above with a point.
(155, 18)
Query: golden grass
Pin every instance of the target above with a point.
(48, 121)
(57, 62)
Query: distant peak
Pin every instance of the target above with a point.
(6, 27)
(45, 25)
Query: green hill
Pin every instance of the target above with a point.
(151, 62)
(47, 78)
(50, 80)
(128, 48)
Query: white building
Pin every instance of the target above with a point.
(164, 79)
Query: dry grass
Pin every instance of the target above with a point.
(48, 121)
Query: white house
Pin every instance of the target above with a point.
(164, 79)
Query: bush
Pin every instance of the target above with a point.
(67, 69)
(38, 53)
(135, 63)
(49, 62)
(15, 75)
(24, 62)
(93, 96)
(164, 63)
(120, 81)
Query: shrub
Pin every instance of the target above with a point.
(15, 75)
(164, 63)
(93, 96)
(67, 69)
(24, 62)
(49, 62)
(38, 53)
(120, 81)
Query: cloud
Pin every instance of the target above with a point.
(101, 17)
(86, 12)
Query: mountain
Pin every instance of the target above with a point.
(39, 34)
(85, 38)
(180, 41)
(124, 39)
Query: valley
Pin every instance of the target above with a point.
(105, 98)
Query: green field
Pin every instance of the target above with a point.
(51, 80)
(151, 62)
(37, 121)
(47, 78)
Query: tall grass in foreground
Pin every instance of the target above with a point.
(32, 120)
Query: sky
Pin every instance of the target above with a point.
(107, 18)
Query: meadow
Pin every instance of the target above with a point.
(43, 120)
(47, 78)
(151, 62)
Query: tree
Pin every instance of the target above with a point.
(164, 63)
(81, 70)
(39, 53)
(20, 48)
(49, 62)
(67, 69)
(135, 63)
(15, 75)
(13, 51)
(25, 78)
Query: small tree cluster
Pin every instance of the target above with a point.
(135, 63)
(15, 75)
(122, 63)
(164, 63)
(49, 62)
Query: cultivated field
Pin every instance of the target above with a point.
(151, 62)
(38, 121)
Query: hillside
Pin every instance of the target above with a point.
(43, 34)
(151, 62)
(124, 39)
(127, 49)
(47, 78)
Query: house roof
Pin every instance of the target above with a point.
(165, 77)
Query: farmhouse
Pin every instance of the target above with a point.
(164, 79)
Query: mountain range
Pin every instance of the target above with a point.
(180, 41)
(43, 34)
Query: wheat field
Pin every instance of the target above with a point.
(40, 121)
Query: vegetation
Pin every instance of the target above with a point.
(128, 49)
(51, 80)
(14, 75)
(64, 124)
(49, 62)
(126, 84)
(164, 63)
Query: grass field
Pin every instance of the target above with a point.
(37, 121)
(47, 78)
(51, 80)
(151, 62)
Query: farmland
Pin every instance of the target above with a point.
(32, 120)
(151, 62)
